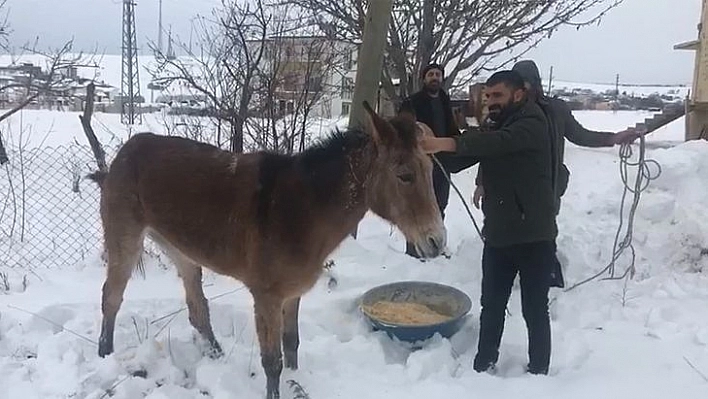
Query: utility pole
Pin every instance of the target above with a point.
(617, 86)
(159, 29)
(370, 61)
(130, 86)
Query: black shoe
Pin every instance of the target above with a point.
(490, 368)
(537, 370)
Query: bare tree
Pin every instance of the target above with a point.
(4, 26)
(43, 83)
(223, 67)
(264, 70)
(467, 36)
(299, 74)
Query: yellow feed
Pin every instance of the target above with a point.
(408, 313)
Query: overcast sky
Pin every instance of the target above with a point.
(634, 40)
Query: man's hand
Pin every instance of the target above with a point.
(478, 195)
(424, 130)
(627, 136)
(431, 145)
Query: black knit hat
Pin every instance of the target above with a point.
(432, 66)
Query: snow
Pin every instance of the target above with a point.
(610, 340)
(679, 90)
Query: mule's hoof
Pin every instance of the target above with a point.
(290, 360)
(214, 351)
(104, 350)
(273, 393)
(272, 387)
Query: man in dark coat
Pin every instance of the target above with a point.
(431, 105)
(519, 215)
(562, 125)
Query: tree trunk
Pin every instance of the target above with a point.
(370, 62)
(236, 136)
(426, 43)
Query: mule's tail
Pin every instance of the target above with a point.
(98, 176)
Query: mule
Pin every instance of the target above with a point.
(265, 219)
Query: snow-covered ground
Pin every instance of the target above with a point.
(647, 339)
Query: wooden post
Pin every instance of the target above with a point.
(370, 61)
(85, 119)
(697, 104)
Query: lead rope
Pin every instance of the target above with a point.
(641, 182)
(467, 208)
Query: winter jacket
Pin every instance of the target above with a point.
(562, 125)
(519, 201)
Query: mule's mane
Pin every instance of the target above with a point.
(330, 163)
(336, 145)
(324, 167)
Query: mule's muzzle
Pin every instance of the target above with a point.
(432, 244)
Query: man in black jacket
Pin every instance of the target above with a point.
(562, 125)
(431, 105)
(519, 215)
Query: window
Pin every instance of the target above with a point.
(314, 84)
(351, 59)
(346, 107)
(347, 88)
(290, 82)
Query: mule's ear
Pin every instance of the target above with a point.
(406, 114)
(371, 119)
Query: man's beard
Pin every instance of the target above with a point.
(432, 87)
(498, 114)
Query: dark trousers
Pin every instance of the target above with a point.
(557, 279)
(441, 187)
(533, 262)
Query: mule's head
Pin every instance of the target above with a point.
(400, 187)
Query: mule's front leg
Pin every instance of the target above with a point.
(291, 335)
(269, 326)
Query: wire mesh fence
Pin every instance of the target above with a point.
(49, 211)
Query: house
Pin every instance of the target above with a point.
(68, 90)
(309, 72)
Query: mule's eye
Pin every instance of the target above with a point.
(406, 177)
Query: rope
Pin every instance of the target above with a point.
(467, 208)
(641, 182)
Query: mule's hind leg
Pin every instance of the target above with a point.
(291, 334)
(197, 304)
(123, 246)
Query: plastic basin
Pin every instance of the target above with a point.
(448, 300)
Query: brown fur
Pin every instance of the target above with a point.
(267, 220)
